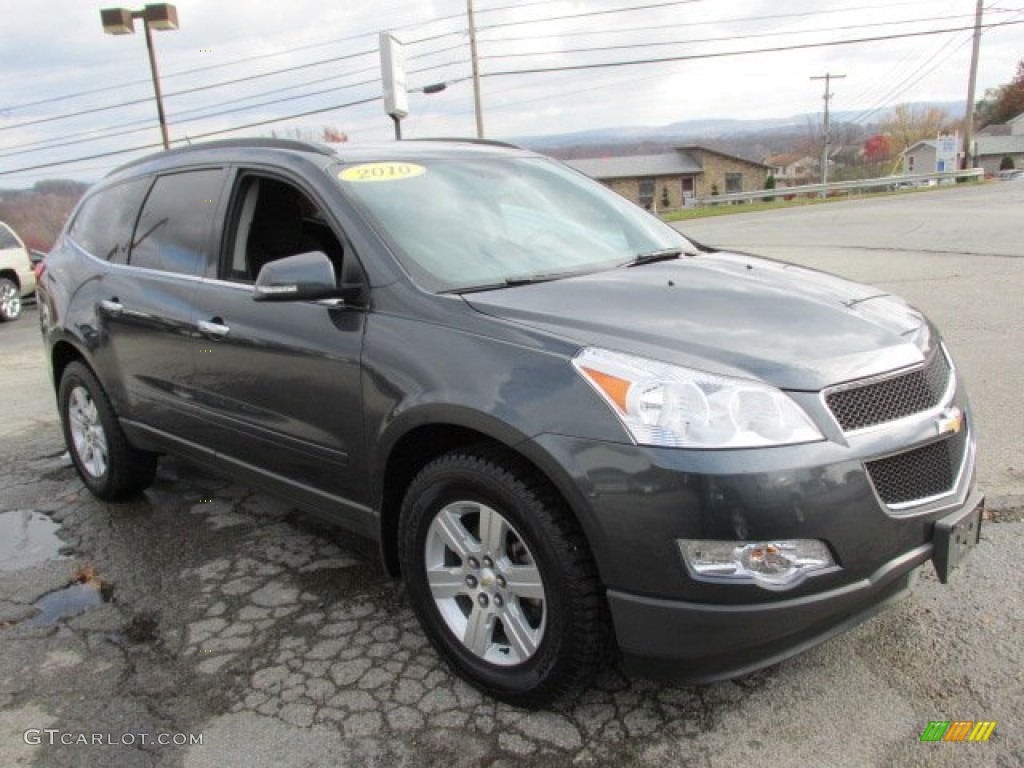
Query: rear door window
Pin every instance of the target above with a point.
(105, 221)
(175, 228)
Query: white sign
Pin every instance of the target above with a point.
(946, 152)
(392, 71)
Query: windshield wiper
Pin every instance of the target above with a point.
(512, 282)
(649, 257)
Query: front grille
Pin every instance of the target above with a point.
(921, 473)
(877, 402)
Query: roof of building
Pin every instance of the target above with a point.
(667, 164)
(785, 159)
(684, 161)
(930, 143)
(999, 145)
(996, 129)
(706, 150)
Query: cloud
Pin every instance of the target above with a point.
(70, 54)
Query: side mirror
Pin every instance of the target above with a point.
(302, 277)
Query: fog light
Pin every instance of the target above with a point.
(769, 564)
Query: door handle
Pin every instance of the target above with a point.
(112, 306)
(214, 328)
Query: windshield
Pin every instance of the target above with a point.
(478, 222)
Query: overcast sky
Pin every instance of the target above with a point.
(55, 54)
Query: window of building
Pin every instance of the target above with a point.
(645, 193)
(104, 223)
(910, 163)
(733, 182)
(174, 229)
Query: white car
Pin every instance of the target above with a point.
(17, 279)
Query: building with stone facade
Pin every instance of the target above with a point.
(666, 181)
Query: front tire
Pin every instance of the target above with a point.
(110, 466)
(10, 300)
(501, 578)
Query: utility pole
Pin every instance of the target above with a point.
(828, 77)
(476, 71)
(969, 112)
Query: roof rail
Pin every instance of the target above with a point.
(254, 142)
(467, 140)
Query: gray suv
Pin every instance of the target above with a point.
(574, 432)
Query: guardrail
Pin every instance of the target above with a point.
(886, 182)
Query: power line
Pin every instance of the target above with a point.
(261, 56)
(206, 115)
(525, 71)
(731, 20)
(180, 73)
(209, 86)
(590, 13)
(698, 41)
(919, 73)
(911, 58)
(65, 139)
(724, 54)
(140, 148)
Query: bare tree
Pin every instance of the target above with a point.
(328, 134)
(906, 125)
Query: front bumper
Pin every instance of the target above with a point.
(635, 503)
(701, 643)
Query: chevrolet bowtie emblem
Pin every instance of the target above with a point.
(951, 421)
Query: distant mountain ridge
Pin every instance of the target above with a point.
(701, 130)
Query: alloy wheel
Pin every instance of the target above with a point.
(485, 583)
(90, 441)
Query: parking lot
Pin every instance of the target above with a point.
(212, 610)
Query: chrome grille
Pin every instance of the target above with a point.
(879, 401)
(921, 473)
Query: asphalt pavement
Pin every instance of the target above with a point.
(212, 612)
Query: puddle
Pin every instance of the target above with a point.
(27, 537)
(65, 603)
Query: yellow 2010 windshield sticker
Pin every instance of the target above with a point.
(382, 172)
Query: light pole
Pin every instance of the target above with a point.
(162, 16)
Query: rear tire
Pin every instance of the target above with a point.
(10, 300)
(110, 466)
(502, 579)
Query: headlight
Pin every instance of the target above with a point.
(666, 405)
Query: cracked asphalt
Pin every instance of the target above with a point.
(222, 612)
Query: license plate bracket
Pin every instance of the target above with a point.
(954, 537)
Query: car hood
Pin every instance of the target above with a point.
(727, 313)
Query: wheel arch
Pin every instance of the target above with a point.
(410, 449)
(11, 275)
(63, 353)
